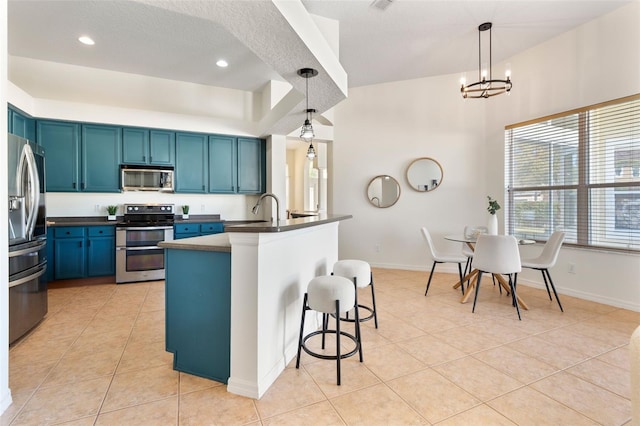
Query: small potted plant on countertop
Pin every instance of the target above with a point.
(185, 212)
(111, 212)
(492, 224)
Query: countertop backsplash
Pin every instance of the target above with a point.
(229, 207)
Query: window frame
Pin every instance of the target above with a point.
(583, 187)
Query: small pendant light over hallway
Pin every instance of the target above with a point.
(306, 133)
(486, 86)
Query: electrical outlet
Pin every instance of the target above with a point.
(201, 208)
(377, 248)
(572, 268)
(97, 207)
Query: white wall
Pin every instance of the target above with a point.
(379, 129)
(5, 393)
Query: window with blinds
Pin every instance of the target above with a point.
(578, 172)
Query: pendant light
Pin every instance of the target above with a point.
(306, 133)
(486, 86)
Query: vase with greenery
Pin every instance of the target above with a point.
(185, 212)
(492, 223)
(111, 212)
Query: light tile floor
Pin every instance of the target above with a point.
(98, 359)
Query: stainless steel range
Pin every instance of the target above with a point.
(138, 257)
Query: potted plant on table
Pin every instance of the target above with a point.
(111, 212)
(185, 212)
(492, 208)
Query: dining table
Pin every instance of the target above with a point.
(472, 276)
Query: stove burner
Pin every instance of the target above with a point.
(148, 215)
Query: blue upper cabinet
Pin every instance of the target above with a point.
(61, 143)
(100, 158)
(21, 124)
(251, 166)
(135, 146)
(162, 147)
(144, 146)
(222, 164)
(191, 163)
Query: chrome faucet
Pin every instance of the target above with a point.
(256, 208)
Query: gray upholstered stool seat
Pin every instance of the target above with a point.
(329, 295)
(359, 272)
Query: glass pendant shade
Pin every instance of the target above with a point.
(306, 133)
(311, 152)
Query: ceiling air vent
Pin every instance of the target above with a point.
(381, 4)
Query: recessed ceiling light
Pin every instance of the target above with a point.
(222, 63)
(86, 40)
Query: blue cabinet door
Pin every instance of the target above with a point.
(61, 143)
(191, 163)
(222, 164)
(135, 145)
(162, 147)
(251, 166)
(101, 158)
(22, 126)
(70, 258)
(101, 256)
(101, 251)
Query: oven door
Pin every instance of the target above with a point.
(138, 257)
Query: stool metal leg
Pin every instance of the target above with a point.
(338, 337)
(304, 310)
(373, 301)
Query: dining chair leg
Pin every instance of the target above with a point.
(512, 284)
(430, 275)
(461, 276)
(475, 298)
(553, 288)
(546, 284)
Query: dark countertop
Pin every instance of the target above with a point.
(287, 224)
(215, 242)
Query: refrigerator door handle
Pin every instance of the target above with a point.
(23, 280)
(27, 166)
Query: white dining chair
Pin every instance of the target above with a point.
(471, 231)
(498, 254)
(547, 259)
(441, 258)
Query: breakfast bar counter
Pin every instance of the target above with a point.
(234, 299)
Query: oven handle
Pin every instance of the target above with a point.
(139, 248)
(143, 228)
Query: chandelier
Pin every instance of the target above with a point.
(306, 133)
(486, 86)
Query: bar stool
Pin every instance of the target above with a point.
(359, 272)
(330, 295)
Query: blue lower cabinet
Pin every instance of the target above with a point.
(51, 258)
(196, 229)
(101, 251)
(81, 251)
(198, 312)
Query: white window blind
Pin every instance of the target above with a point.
(578, 172)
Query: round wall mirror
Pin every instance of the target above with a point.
(424, 174)
(383, 191)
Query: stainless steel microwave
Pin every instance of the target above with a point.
(146, 178)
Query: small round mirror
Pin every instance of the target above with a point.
(383, 191)
(424, 174)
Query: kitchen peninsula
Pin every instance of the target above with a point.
(234, 299)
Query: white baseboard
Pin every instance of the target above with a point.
(5, 400)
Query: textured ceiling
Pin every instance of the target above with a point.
(269, 40)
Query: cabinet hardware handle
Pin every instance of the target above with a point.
(82, 185)
(74, 185)
(144, 158)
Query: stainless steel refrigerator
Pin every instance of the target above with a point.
(27, 236)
